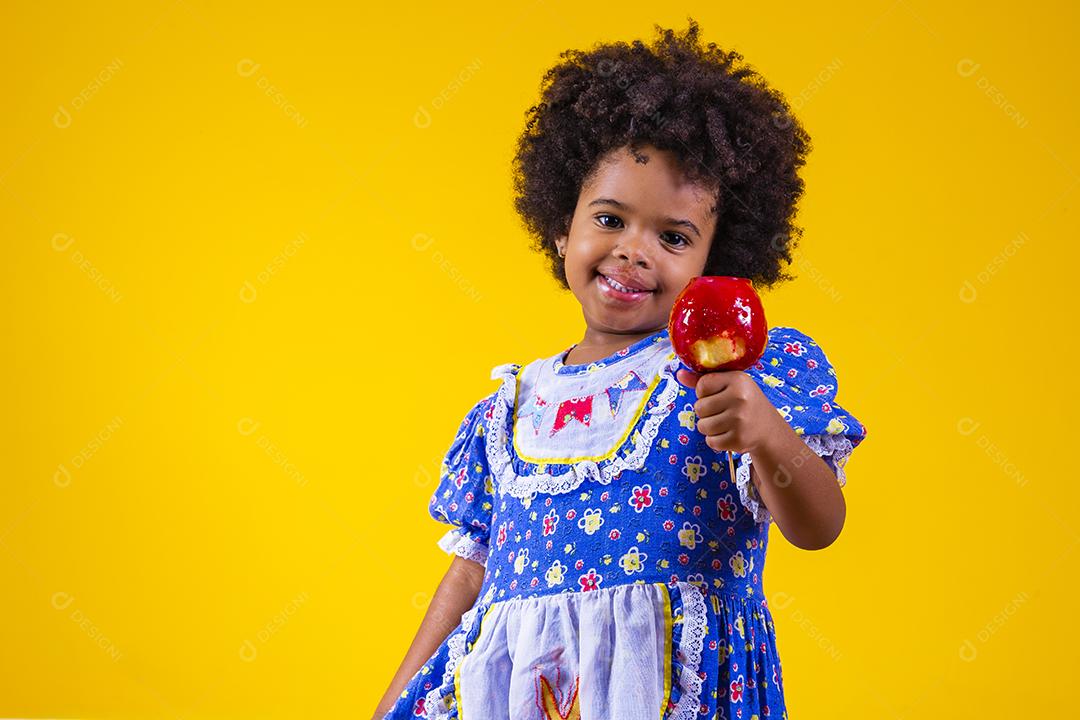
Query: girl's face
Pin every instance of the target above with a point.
(638, 223)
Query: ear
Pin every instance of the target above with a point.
(560, 244)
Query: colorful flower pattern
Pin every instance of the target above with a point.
(678, 518)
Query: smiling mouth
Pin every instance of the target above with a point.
(618, 291)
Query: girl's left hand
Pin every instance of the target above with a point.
(733, 414)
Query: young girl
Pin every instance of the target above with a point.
(610, 509)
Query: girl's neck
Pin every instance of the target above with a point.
(598, 345)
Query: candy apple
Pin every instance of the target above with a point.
(718, 323)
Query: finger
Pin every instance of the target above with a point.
(687, 378)
(714, 382)
(723, 441)
(711, 406)
(712, 425)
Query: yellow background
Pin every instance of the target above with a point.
(259, 261)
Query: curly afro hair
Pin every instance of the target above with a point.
(729, 130)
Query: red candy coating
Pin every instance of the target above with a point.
(718, 323)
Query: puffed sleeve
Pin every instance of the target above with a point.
(798, 379)
(464, 497)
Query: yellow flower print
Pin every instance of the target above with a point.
(835, 427)
(739, 564)
(555, 574)
(785, 412)
(633, 561)
(687, 417)
(740, 625)
(690, 535)
(521, 561)
(694, 469)
(772, 381)
(591, 520)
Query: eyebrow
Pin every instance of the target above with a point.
(624, 206)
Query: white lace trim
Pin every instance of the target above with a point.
(748, 493)
(833, 449)
(526, 486)
(456, 542)
(691, 643)
(440, 700)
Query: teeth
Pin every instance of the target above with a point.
(620, 287)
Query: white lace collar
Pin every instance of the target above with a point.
(579, 421)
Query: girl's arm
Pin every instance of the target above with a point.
(456, 593)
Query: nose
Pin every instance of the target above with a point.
(634, 248)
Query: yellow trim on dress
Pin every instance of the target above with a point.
(457, 670)
(667, 649)
(595, 458)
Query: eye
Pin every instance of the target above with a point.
(679, 239)
(606, 215)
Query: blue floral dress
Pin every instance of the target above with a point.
(624, 556)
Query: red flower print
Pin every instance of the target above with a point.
(684, 559)
(551, 520)
(792, 372)
(614, 534)
(640, 497)
(820, 390)
(605, 495)
(795, 348)
(513, 584)
(571, 514)
(811, 363)
(696, 510)
(717, 565)
(737, 689)
(469, 496)
(579, 564)
(726, 507)
(528, 534)
(590, 580)
(826, 407)
(668, 525)
(663, 491)
(500, 538)
(684, 439)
